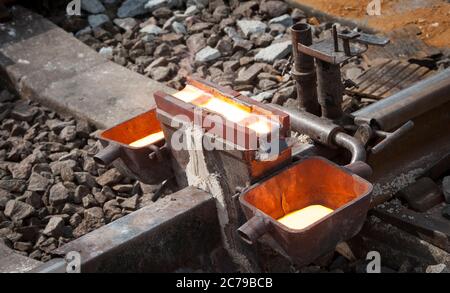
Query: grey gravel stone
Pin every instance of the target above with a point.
(38, 182)
(54, 227)
(245, 8)
(249, 27)
(100, 197)
(111, 209)
(34, 199)
(160, 73)
(130, 203)
(284, 94)
(161, 61)
(70, 209)
(59, 194)
(196, 42)
(21, 170)
(298, 14)
(155, 4)
(80, 192)
(17, 210)
(225, 46)
(207, 54)
(89, 201)
(57, 166)
(191, 10)
(285, 20)
(126, 24)
(84, 178)
(263, 40)
(23, 246)
(131, 8)
(95, 214)
(262, 96)
(179, 28)
(151, 29)
(248, 75)
(123, 188)
(221, 11)
(67, 174)
(437, 269)
(274, 52)
(5, 196)
(68, 133)
(274, 8)
(110, 177)
(13, 185)
(92, 6)
(57, 125)
(106, 52)
(23, 112)
(97, 20)
(265, 84)
(75, 220)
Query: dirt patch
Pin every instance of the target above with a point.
(431, 16)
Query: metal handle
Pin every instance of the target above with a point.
(389, 138)
(108, 155)
(253, 229)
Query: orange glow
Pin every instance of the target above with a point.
(227, 110)
(230, 110)
(302, 218)
(260, 127)
(149, 139)
(189, 93)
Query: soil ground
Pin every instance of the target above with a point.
(431, 16)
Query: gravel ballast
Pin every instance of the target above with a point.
(51, 190)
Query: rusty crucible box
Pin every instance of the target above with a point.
(138, 148)
(313, 181)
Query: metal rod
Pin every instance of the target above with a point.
(350, 143)
(304, 72)
(335, 39)
(330, 89)
(320, 130)
(407, 104)
(324, 131)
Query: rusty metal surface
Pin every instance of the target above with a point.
(411, 156)
(430, 226)
(304, 72)
(329, 54)
(427, 106)
(387, 78)
(297, 187)
(412, 102)
(146, 163)
(178, 231)
(325, 132)
(236, 132)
